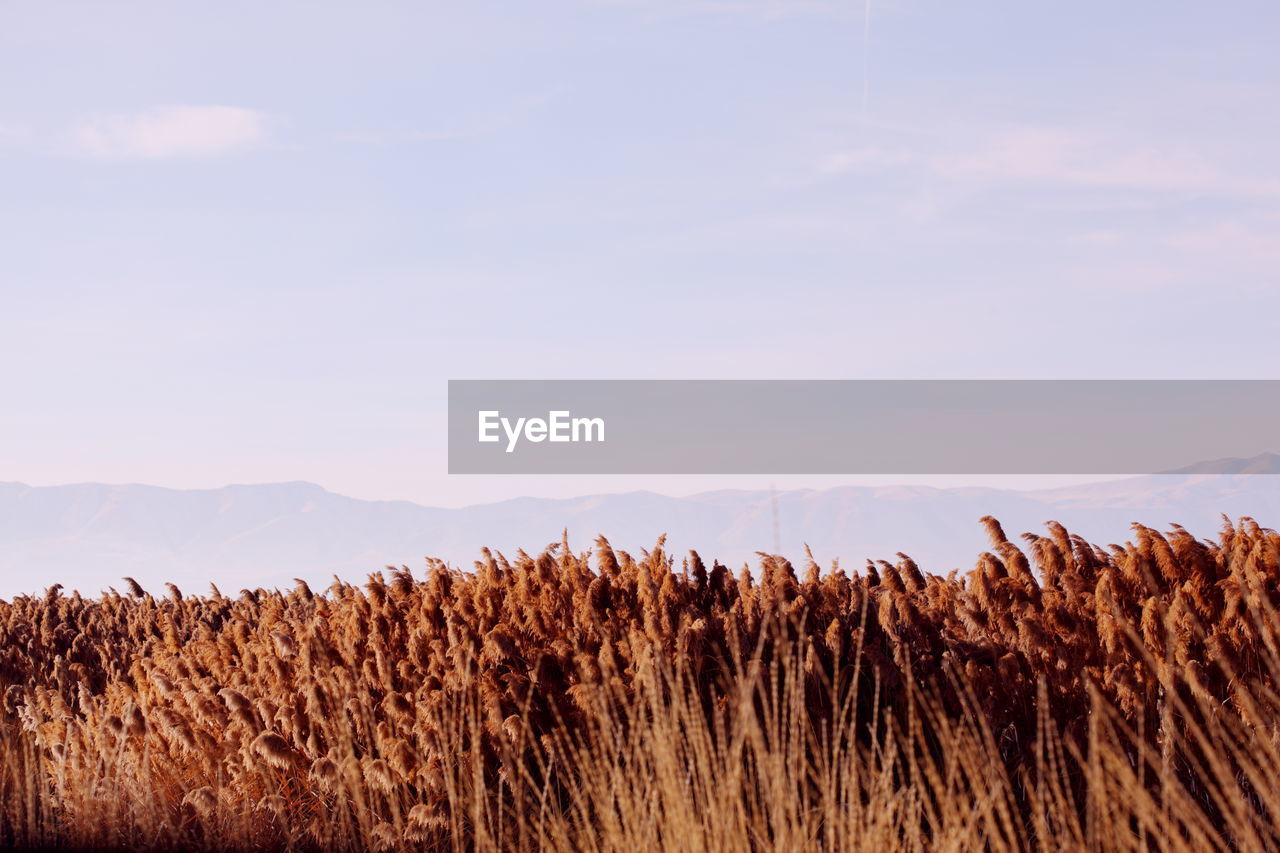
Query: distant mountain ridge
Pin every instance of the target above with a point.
(1265, 463)
(88, 536)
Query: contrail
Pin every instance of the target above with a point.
(866, 60)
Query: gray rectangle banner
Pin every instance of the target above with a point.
(856, 426)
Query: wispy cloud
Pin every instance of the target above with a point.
(1234, 240)
(171, 132)
(1068, 157)
(1052, 156)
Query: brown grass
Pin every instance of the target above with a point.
(1061, 697)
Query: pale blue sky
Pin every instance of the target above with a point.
(246, 242)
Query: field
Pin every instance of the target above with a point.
(1059, 696)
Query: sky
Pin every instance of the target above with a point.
(246, 242)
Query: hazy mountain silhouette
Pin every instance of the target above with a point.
(88, 536)
(1265, 463)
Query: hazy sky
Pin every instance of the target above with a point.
(246, 242)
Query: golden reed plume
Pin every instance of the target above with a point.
(1060, 696)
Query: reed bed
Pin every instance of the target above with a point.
(1059, 696)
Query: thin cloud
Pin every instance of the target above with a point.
(1058, 156)
(1236, 241)
(171, 132)
(1061, 157)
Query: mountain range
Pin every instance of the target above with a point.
(89, 536)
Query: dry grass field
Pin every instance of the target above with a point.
(1059, 696)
